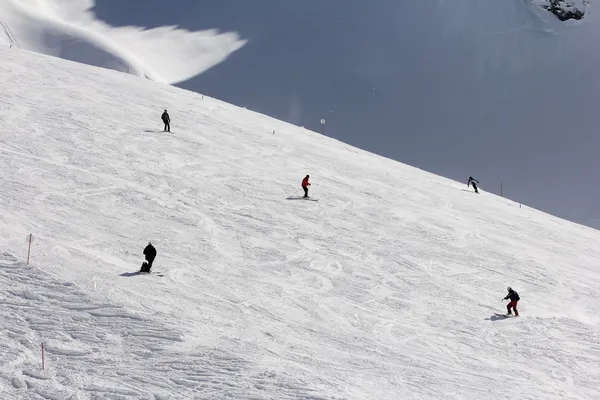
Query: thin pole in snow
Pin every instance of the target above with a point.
(42, 355)
(29, 248)
(501, 189)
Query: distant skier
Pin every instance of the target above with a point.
(305, 186)
(514, 299)
(473, 182)
(150, 255)
(167, 120)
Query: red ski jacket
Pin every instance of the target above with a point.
(305, 182)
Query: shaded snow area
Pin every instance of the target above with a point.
(387, 287)
(68, 29)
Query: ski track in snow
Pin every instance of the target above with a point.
(383, 289)
(125, 355)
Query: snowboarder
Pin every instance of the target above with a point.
(167, 120)
(305, 186)
(473, 182)
(150, 255)
(514, 299)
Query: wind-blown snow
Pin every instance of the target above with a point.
(67, 29)
(385, 288)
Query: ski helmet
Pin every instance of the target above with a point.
(509, 288)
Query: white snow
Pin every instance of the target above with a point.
(383, 289)
(68, 29)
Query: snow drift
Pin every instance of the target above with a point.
(67, 29)
(386, 288)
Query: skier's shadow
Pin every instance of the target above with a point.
(128, 274)
(496, 317)
(295, 198)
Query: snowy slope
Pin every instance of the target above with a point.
(497, 88)
(385, 288)
(67, 29)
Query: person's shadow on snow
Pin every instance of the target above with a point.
(496, 317)
(128, 274)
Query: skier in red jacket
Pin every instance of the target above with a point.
(305, 186)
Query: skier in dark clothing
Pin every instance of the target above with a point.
(167, 120)
(473, 182)
(150, 255)
(514, 299)
(305, 186)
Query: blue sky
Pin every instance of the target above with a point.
(496, 90)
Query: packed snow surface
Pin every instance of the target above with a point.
(68, 29)
(385, 288)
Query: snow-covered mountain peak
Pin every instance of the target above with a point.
(565, 9)
(67, 29)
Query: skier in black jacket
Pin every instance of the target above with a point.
(167, 120)
(514, 299)
(473, 182)
(150, 255)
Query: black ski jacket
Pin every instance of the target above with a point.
(471, 180)
(150, 252)
(165, 117)
(513, 296)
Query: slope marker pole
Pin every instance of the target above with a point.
(29, 239)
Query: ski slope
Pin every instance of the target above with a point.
(68, 29)
(386, 288)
